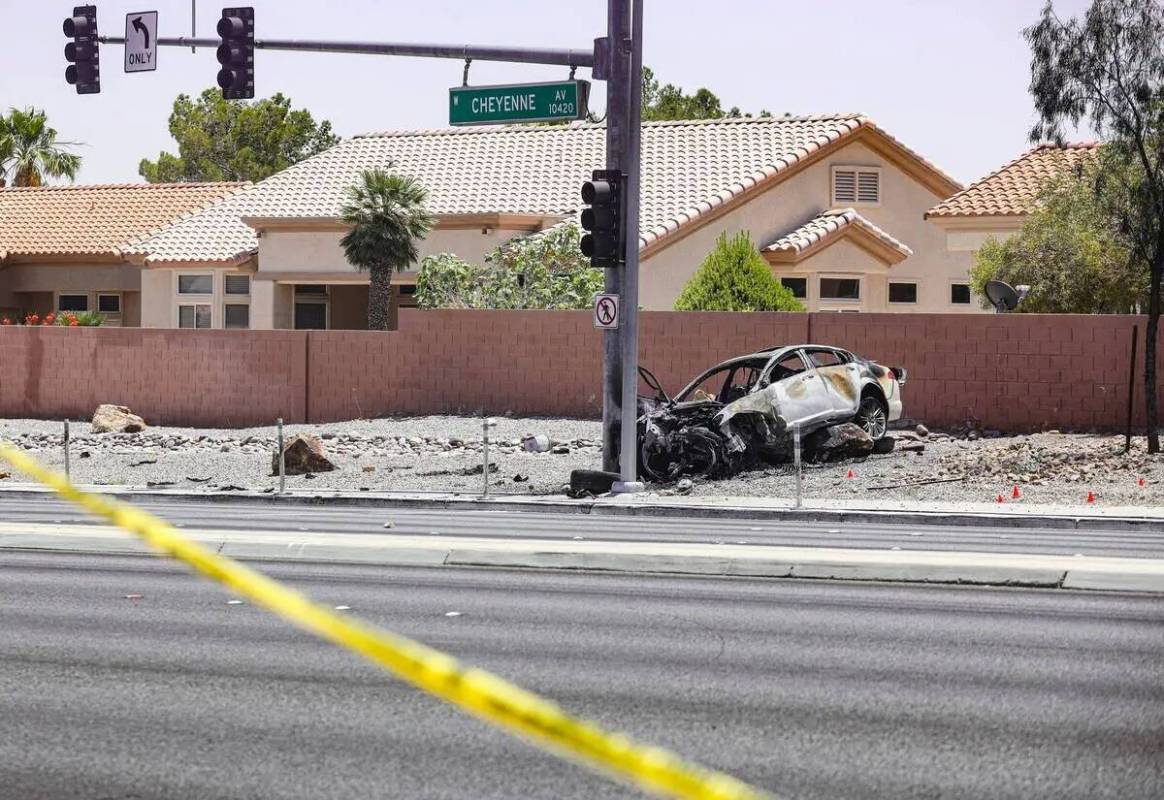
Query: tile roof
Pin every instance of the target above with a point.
(689, 168)
(825, 226)
(95, 220)
(1015, 188)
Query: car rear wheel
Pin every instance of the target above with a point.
(873, 417)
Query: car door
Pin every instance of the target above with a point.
(796, 391)
(840, 377)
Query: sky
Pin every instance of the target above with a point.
(947, 77)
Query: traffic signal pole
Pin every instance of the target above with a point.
(617, 74)
(526, 55)
(629, 327)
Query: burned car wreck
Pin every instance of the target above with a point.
(742, 412)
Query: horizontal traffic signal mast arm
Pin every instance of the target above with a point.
(523, 55)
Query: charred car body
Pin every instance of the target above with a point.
(743, 411)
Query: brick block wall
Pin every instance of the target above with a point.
(204, 378)
(1011, 372)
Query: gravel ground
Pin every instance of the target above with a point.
(443, 454)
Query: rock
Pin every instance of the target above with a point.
(303, 455)
(369, 468)
(519, 478)
(479, 469)
(116, 419)
(838, 441)
(885, 445)
(4, 475)
(922, 430)
(684, 486)
(561, 450)
(972, 435)
(537, 443)
(912, 447)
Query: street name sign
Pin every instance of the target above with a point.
(141, 41)
(606, 311)
(523, 102)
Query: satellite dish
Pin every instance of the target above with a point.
(1002, 296)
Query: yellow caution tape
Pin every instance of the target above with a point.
(478, 692)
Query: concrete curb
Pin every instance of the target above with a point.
(911, 566)
(633, 507)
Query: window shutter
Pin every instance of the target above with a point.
(844, 186)
(238, 284)
(868, 187)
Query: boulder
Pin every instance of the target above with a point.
(303, 455)
(116, 419)
(836, 442)
(922, 430)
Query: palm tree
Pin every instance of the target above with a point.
(387, 216)
(30, 152)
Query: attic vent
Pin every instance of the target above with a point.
(856, 185)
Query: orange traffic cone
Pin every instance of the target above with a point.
(1090, 496)
(1016, 494)
(1000, 498)
(850, 476)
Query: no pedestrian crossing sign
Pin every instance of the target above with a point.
(522, 102)
(141, 41)
(606, 311)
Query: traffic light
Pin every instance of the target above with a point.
(83, 54)
(236, 54)
(603, 244)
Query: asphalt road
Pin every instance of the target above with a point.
(207, 514)
(811, 690)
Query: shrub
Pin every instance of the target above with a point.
(543, 271)
(735, 277)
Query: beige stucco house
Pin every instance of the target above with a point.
(996, 206)
(60, 246)
(836, 205)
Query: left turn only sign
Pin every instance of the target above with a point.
(141, 41)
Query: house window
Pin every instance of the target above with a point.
(73, 302)
(310, 316)
(840, 288)
(903, 292)
(856, 185)
(195, 284)
(960, 294)
(236, 284)
(310, 288)
(236, 316)
(799, 286)
(194, 315)
(109, 303)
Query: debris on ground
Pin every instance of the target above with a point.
(303, 455)
(116, 419)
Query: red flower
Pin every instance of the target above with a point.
(73, 322)
(32, 319)
(5, 321)
(49, 319)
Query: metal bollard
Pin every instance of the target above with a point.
(796, 458)
(68, 471)
(486, 424)
(282, 463)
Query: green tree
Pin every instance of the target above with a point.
(30, 151)
(543, 271)
(233, 140)
(1108, 69)
(735, 277)
(667, 101)
(1069, 253)
(388, 217)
